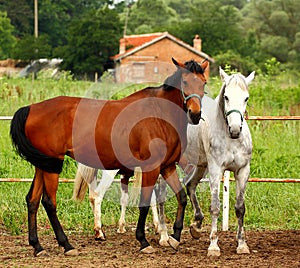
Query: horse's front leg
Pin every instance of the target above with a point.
(171, 177)
(215, 178)
(49, 202)
(241, 180)
(148, 181)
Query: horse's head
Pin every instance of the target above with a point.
(192, 87)
(235, 97)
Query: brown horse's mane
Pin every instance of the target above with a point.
(190, 66)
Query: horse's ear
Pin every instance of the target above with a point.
(223, 75)
(178, 64)
(204, 64)
(250, 77)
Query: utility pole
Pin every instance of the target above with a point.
(126, 18)
(36, 31)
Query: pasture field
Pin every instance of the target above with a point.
(276, 154)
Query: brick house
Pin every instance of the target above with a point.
(148, 57)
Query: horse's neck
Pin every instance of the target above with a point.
(173, 95)
(219, 121)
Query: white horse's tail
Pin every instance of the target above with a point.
(83, 177)
(136, 188)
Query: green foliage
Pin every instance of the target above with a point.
(20, 13)
(236, 61)
(272, 67)
(217, 25)
(240, 33)
(92, 39)
(161, 16)
(276, 24)
(7, 40)
(31, 48)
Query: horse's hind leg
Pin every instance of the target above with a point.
(124, 202)
(195, 227)
(241, 181)
(96, 195)
(161, 192)
(33, 201)
(154, 212)
(49, 203)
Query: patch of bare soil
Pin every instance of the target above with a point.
(268, 249)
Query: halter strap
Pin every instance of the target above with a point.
(186, 98)
(234, 111)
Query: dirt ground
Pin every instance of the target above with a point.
(268, 249)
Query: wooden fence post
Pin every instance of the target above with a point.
(226, 200)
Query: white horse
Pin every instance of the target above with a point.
(221, 141)
(86, 177)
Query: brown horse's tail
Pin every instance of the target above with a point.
(24, 147)
(136, 188)
(84, 175)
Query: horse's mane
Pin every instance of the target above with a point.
(221, 98)
(190, 66)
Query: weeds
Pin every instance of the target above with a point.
(276, 153)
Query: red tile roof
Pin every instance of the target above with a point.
(135, 42)
(132, 41)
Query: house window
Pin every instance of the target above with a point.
(138, 70)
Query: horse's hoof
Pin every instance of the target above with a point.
(100, 238)
(121, 230)
(72, 252)
(243, 249)
(148, 250)
(195, 232)
(215, 252)
(173, 242)
(42, 253)
(164, 243)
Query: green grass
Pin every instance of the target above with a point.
(276, 149)
(276, 154)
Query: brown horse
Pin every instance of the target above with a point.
(146, 129)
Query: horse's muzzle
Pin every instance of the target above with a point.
(235, 132)
(194, 118)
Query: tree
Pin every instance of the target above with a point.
(20, 14)
(217, 25)
(7, 40)
(30, 48)
(276, 24)
(56, 16)
(160, 17)
(92, 40)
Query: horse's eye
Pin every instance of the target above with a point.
(226, 98)
(246, 99)
(184, 82)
